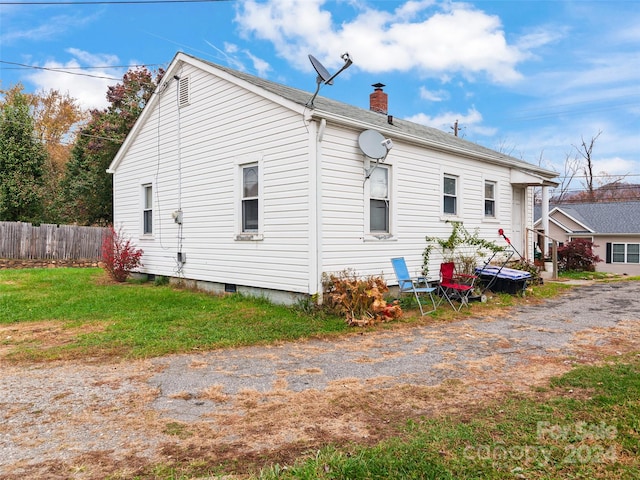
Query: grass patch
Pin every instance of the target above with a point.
(140, 320)
(80, 313)
(603, 276)
(587, 425)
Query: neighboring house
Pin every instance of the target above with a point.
(613, 227)
(237, 183)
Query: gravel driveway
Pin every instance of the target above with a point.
(79, 420)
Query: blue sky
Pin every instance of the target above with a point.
(528, 78)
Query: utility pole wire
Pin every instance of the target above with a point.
(110, 2)
(60, 70)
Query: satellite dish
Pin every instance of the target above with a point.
(322, 72)
(372, 144)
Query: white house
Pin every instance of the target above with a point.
(239, 184)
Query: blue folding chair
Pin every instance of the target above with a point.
(406, 284)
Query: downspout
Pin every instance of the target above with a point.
(315, 207)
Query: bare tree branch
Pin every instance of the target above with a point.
(586, 151)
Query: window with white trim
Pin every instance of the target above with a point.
(450, 195)
(147, 209)
(250, 198)
(625, 253)
(489, 199)
(379, 201)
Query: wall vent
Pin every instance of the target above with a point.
(183, 93)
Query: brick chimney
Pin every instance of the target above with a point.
(378, 100)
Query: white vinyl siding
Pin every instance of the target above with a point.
(223, 125)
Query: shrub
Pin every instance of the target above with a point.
(360, 300)
(119, 255)
(526, 266)
(463, 248)
(577, 255)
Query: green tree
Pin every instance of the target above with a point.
(56, 118)
(22, 157)
(88, 189)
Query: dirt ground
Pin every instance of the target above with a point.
(260, 405)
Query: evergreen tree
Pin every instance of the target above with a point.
(88, 189)
(22, 157)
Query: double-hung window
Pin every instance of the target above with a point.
(250, 198)
(625, 253)
(147, 209)
(489, 199)
(450, 195)
(379, 200)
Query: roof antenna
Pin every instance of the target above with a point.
(324, 77)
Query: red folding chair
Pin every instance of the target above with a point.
(455, 286)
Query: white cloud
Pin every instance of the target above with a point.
(46, 28)
(434, 95)
(616, 166)
(261, 66)
(432, 39)
(89, 87)
(541, 36)
(447, 119)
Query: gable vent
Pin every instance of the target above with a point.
(183, 92)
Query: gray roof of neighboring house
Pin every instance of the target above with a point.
(602, 218)
(430, 134)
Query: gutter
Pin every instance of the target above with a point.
(439, 146)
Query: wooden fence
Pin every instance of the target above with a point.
(23, 241)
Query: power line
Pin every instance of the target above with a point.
(600, 176)
(65, 69)
(22, 66)
(111, 2)
(60, 70)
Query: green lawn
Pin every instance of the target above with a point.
(143, 320)
(100, 318)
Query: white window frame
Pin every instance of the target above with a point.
(486, 199)
(370, 235)
(625, 253)
(144, 207)
(241, 164)
(457, 196)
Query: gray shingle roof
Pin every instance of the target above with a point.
(379, 121)
(603, 218)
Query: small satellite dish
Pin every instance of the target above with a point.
(324, 77)
(322, 72)
(372, 144)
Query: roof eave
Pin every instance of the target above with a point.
(537, 176)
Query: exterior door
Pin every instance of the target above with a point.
(517, 219)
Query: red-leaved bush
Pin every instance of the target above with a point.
(119, 255)
(577, 255)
